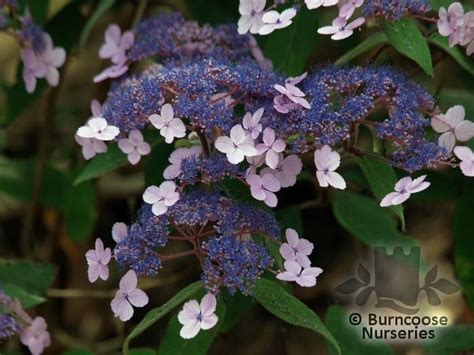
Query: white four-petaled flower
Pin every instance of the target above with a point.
(98, 260)
(251, 12)
(170, 127)
(453, 127)
(293, 93)
(161, 197)
(263, 188)
(271, 147)
(195, 316)
(252, 123)
(466, 155)
(287, 171)
(314, 4)
(238, 146)
(305, 277)
(128, 295)
(403, 190)
(327, 162)
(273, 20)
(134, 146)
(296, 248)
(340, 29)
(98, 128)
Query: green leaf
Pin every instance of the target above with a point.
(382, 179)
(236, 306)
(367, 221)
(463, 227)
(32, 277)
(457, 53)
(18, 99)
(290, 309)
(451, 97)
(142, 351)
(38, 9)
(26, 299)
(289, 49)
(101, 9)
(369, 43)
(347, 336)
(78, 352)
(173, 344)
(436, 4)
(214, 11)
(406, 38)
(103, 163)
(451, 340)
(80, 211)
(156, 314)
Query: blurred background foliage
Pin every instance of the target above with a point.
(53, 204)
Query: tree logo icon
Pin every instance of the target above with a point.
(390, 271)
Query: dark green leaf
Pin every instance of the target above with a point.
(290, 309)
(156, 163)
(451, 97)
(78, 352)
(101, 9)
(173, 344)
(436, 4)
(369, 43)
(347, 336)
(405, 36)
(32, 277)
(236, 306)
(38, 9)
(102, 163)
(80, 211)
(457, 53)
(367, 221)
(156, 314)
(26, 299)
(463, 225)
(142, 351)
(382, 179)
(451, 340)
(289, 49)
(214, 11)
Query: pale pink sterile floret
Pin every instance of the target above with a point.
(112, 72)
(251, 123)
(347, 9)
(263, 188)
(134, 146)
(340, 29)
(453, 127)
(236, 147)
(161, 197)
(173, 170)
(116, 44)
(170, 127)
(273, 20)
(305, 277)
(127, 296)
(196, 317)
(296, 248)
(314, 4)
(466, 155)
(119, 231)
(98, 128)
(450, 23)
(42, 65)
(287, 171)
(293, 93)
(271, 147)
(98, 260)
(90, 146)
(251, 12)
(327, 162)
(36, 336)
(403, 190)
